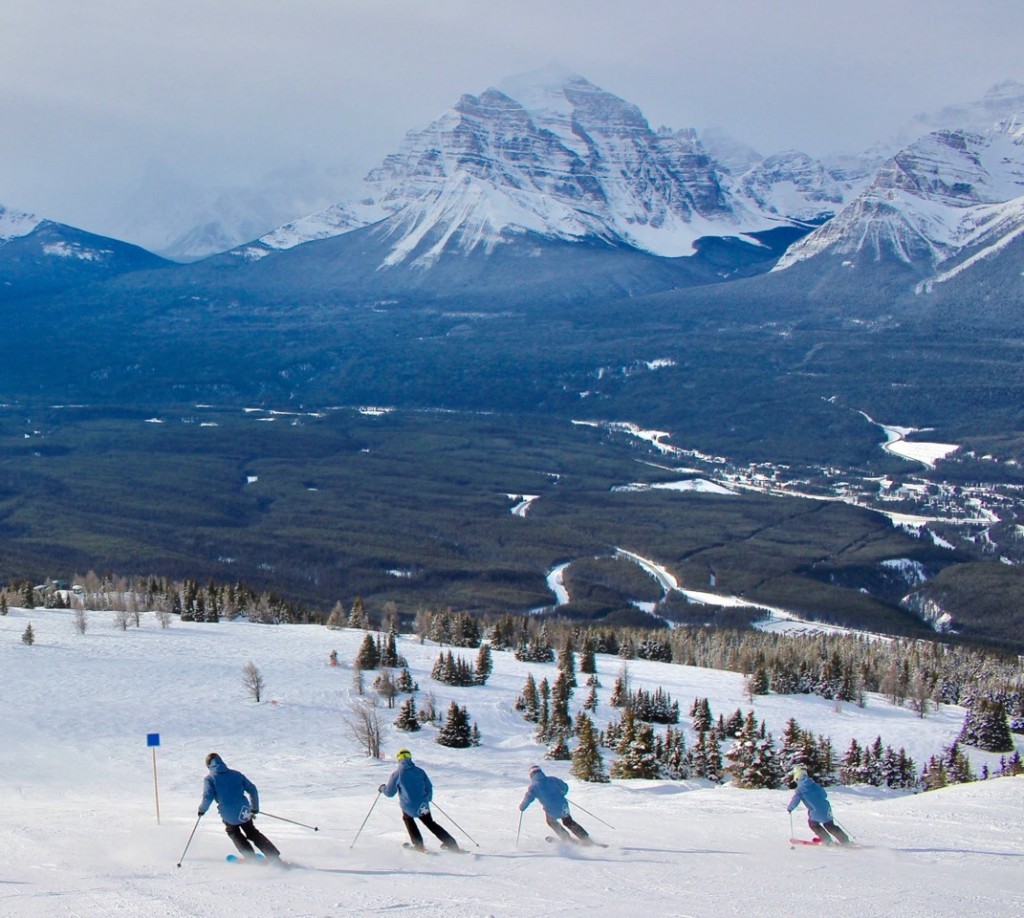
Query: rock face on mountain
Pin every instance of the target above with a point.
(561, 158)
(945, 203)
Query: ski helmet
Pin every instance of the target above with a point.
(210, 758)
(403, 754)
(798, 773)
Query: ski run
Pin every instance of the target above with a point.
(80, 784)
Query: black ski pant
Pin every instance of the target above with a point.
(569, 823)
(427, 820)
(247, 832)
(829, 832)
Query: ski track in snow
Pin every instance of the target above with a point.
(80, 838)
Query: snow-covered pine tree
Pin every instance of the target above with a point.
(558, 750)
(407, 719)
(958, 766)
(528, 704)
(560, 720)
(637, 758)
(986, 726)
(587, 762)
(405, 682)
(357, 615)
(456, 731)
(706, 757)
(752, 759)
(368, 656)
(675, 762)
(700, 712)
(484, 664)
(567, 661)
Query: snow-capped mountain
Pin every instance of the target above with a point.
(951, 193)
(554, 155)
(38, 254)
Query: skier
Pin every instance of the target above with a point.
(819, 810)
(238, 802)
(551, 791)
(415, 792)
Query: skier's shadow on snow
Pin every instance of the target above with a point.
(355, 872)
(957, 851)
(681, 851)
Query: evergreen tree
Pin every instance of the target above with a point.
(389, 655)
(700, 712)
(28, 636)
(752, 759)
(588, 659)
(587, 763)
(706, 757)
(484, 664)
(543, 711)
(558, 750)
(528, 703)
(637, 756)
(567, 661)
(407, 719)
(357, 615)
(405, 682)
(675, 763)
(368, 656)
(456, 732)
(337, 617)
(986, 727)
(560, 721)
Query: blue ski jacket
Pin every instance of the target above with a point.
(550, 791)
(812, 795)
(237, 798)
(413, 787)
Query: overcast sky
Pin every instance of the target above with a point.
(103, 98)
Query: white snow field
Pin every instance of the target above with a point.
(79, 834)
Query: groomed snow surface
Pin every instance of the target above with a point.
(79, 834)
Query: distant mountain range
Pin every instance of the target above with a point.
(552, 157)
(560, 158)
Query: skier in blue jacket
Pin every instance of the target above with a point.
(415, 792)
(237, 802)
(819, 811)
(551, 791)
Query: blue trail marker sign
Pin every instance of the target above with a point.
(152, 741)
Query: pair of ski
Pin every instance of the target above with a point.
(409, 846)
(818, 843)
(259, 859)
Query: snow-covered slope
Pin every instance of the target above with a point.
(15, 223)
(949, 194)
(79, 789)
(554, 155)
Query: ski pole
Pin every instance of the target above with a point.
(292, 821)
(454, 823)
(189, 842)
(372, 805)
(598, 818)
(791, 824)
(520, 829)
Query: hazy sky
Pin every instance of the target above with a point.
(107, 104)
